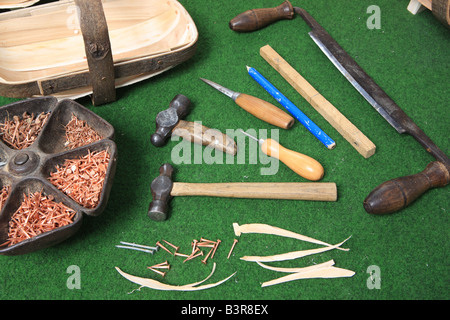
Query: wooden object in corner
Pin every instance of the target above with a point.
(440, 9)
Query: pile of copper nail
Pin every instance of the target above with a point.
(79, 133)
(4, 193)
(20, 133)
(199, 247)
(36, 215)
(82, 179)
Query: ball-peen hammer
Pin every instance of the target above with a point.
(163, 189)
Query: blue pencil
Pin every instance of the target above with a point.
(286, 103)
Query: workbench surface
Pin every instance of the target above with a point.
(407, 57)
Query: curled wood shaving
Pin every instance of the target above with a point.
(293, 270)
(323, 272)
(267, 229)
(291, 255)
(153, 284)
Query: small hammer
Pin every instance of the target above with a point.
(170, 122)
(163, 189)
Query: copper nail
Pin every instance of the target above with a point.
(232, 247)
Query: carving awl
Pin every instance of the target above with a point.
(259, 108)
(301, 164)
(392, 195)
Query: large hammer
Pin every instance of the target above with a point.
(170, 122)
(163, 189)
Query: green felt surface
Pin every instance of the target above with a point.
(408, 57)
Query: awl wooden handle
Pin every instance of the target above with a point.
(301, 164)
(398, 193)
(314, 191)
(255, 19)
(265, 111)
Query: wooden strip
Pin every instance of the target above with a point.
(98, 50)
(314, 191)
(349, 131)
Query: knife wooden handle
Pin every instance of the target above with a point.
(265, 111)
(256, 19)
(398, 193)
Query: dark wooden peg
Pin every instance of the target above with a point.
(396, 194)
(256, 19)
(167, 119)
(161, 187)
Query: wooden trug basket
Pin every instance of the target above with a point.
(70, 49)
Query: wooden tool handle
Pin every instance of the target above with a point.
(265, 111)
(314, 191)
(301, 164)
(398, 193)
(197, 133)
(255, 19)
(441, 10)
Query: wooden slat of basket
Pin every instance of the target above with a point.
(155, 45)
(155, 52)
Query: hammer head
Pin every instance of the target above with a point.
(166, 120)
(161, 188)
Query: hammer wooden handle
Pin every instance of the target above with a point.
(255, 19)
(398, 193)
(265, 111)
(315, 191)
(197, 133)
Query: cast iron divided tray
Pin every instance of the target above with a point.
(44, 154)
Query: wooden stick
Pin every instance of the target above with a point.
(349, 131)
(315, 191)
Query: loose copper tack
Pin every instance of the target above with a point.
(207, 256)
(215, 247)
(159, 244)
(157, 271)
(173, 246)
(232, 247)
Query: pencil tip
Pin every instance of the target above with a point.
(248, 68)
